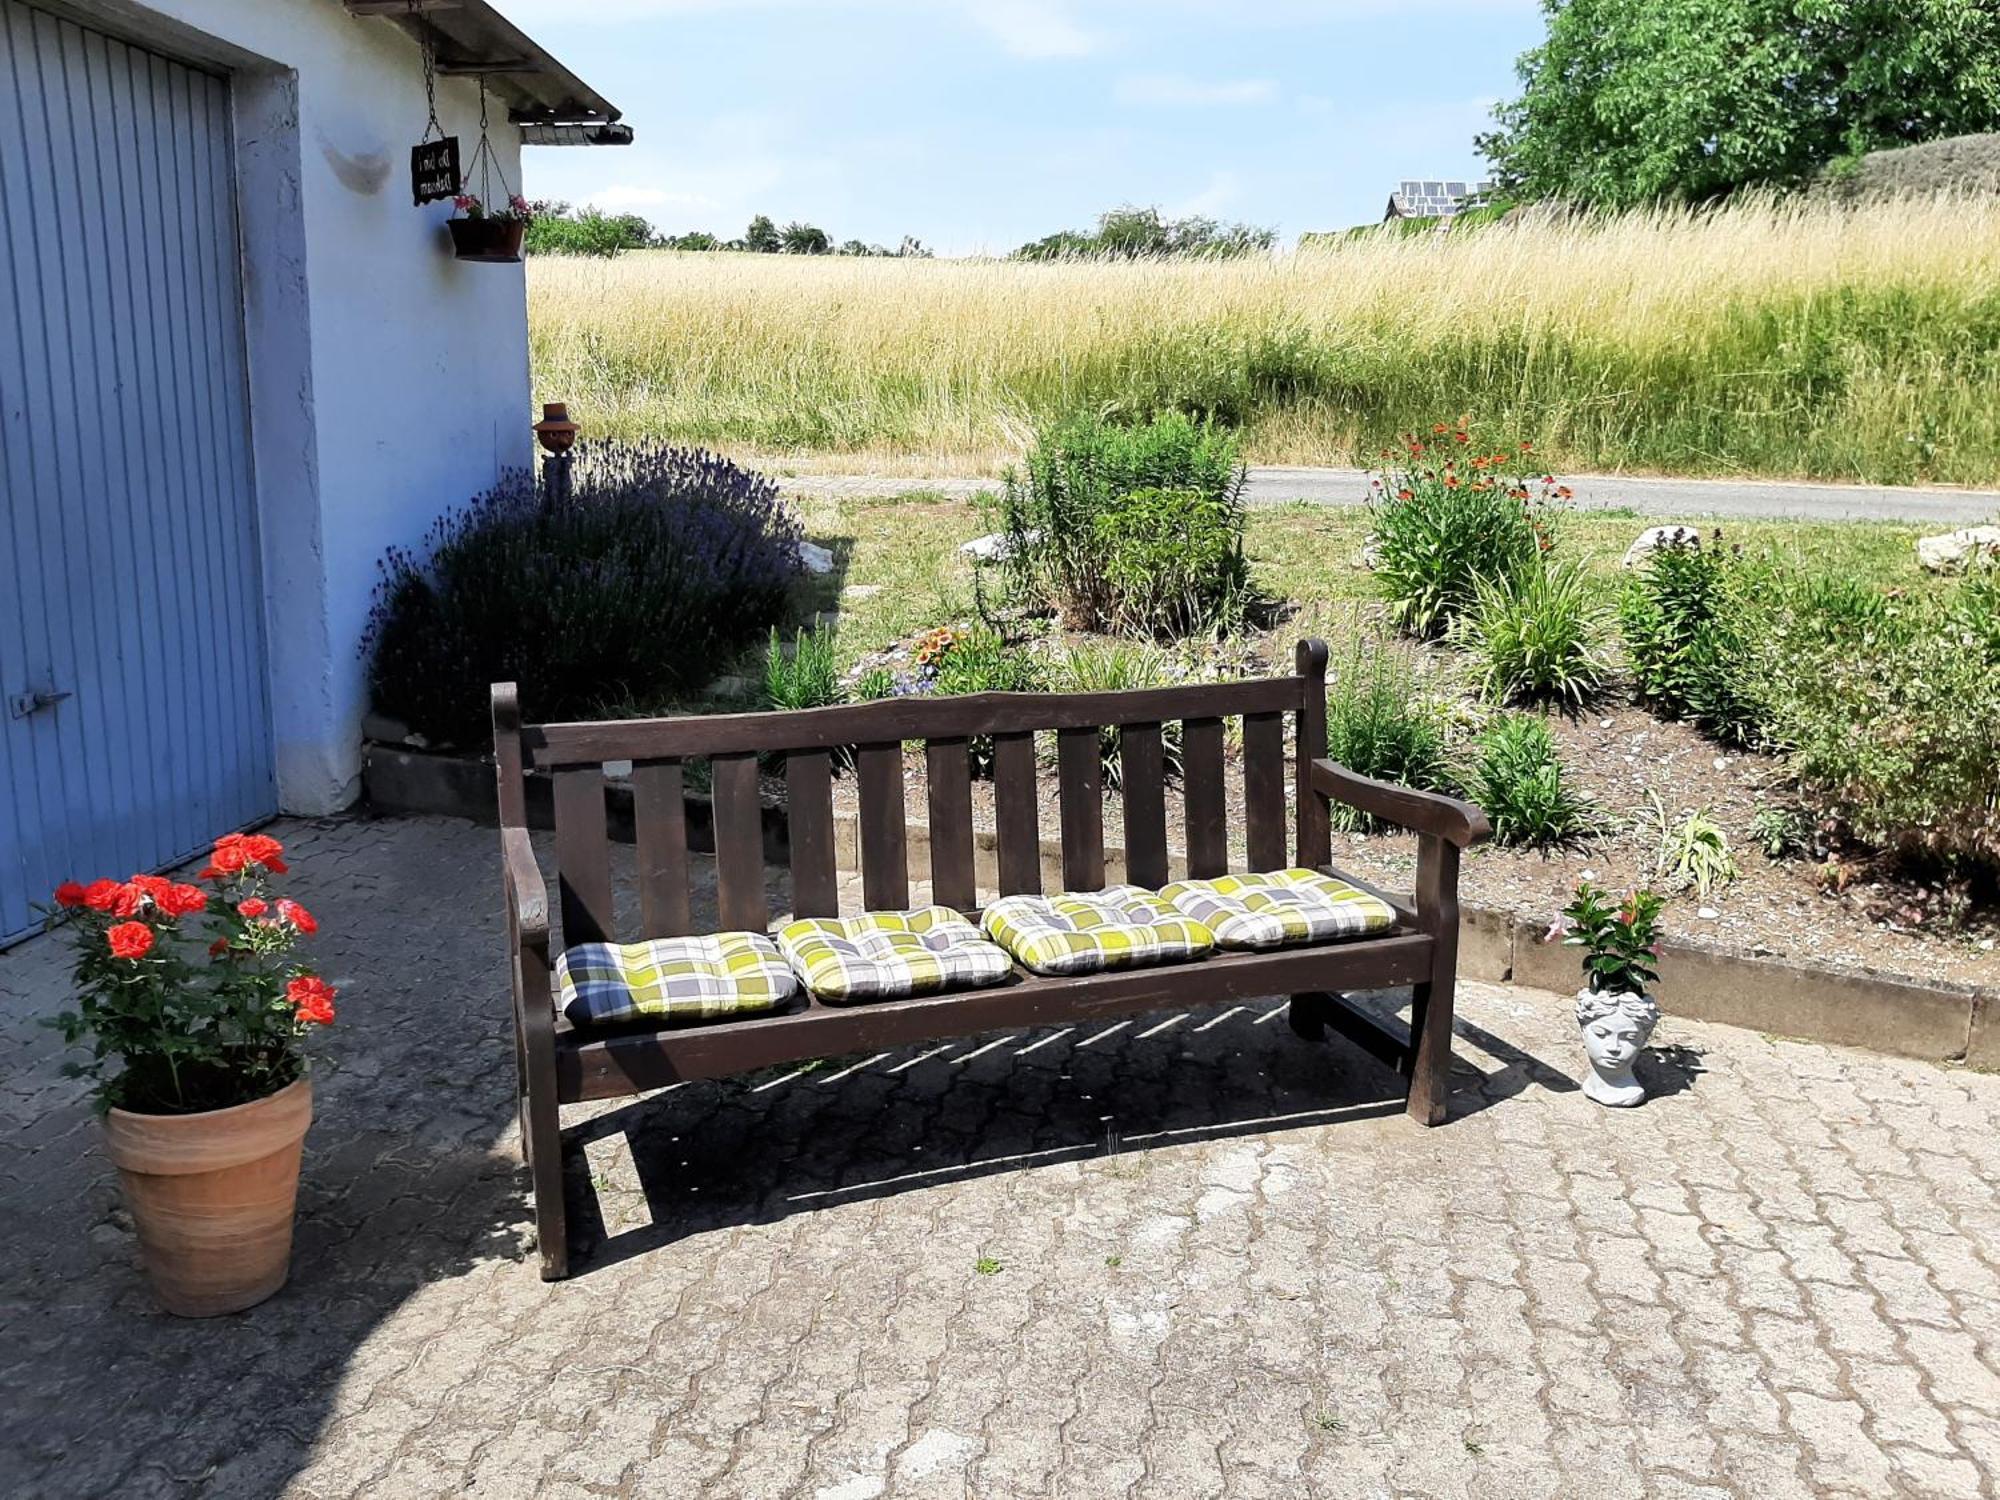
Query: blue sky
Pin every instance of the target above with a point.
(978, 124)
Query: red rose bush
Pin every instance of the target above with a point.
(193, 990)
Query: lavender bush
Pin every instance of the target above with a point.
(664, 564)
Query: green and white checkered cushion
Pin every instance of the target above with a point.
(1279, 910)
(1121, 927)
(671, 980)
(885, 955)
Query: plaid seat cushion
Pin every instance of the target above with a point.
(673, 979)
(1279, 909)
(888, 954)
(1118, 928)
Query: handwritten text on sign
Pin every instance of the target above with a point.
(434, 170)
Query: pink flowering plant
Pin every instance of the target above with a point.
(515, 208)
(192, 989)
(1620, 941)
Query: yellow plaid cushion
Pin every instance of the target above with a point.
(1118, 928)
(1279, 909)
(673, 979)
(887, 954)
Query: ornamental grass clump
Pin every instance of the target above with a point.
(1518, 778)
(661, 567)
(1446, 517)
(192, 989)
(1535, 634)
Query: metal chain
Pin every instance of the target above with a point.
(489, 164)
(428, 49)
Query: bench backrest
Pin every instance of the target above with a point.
(574, 756)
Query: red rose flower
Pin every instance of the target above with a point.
(252, 907)
(297, 915)
(183, 900)
(130, 940)
(219, 947)
(262, 849)
(69, 894)
(312, 1000)
(102, 895)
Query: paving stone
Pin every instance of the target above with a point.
(1222, 1270)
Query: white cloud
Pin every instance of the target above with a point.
(1174, 88)
(1032, 28)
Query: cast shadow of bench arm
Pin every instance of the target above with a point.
(1457, 823)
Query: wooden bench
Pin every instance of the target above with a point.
(560, 1064)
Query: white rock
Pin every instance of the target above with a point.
(1707, 913)
(995, 547)
(1653, 538)
(1959, 549)
(815, 558)
(861, 591)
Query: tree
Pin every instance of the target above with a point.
(694, 239)
(804, 239)
(762, 236)
(1128, 233)
(1633, 101)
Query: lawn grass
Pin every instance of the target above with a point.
(1779, 339)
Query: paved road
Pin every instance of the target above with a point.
(1185, 1256)
(1729, 498)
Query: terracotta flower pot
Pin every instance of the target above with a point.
(213, 1196)
(487, 239)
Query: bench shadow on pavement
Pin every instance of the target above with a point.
(706, 1156)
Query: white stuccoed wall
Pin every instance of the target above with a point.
(389, 382)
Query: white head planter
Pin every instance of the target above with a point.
(1615, 1025)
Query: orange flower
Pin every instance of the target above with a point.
(130, 940)
(253, 907)
(1451, 481)
(182, 900)
(1527, 447)
(1405, 495)
(297, 915)
(102, 895)
(1442, 427)
(312, 1000)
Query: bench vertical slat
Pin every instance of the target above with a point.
(659, 816)
(1206, 793)
(1315, 836)
(1142, 774)
(739, 844)
(583, 856)
(885, 861)
(1264, 790)
(948, 774)
(1016, 826)
(1079, 768)
(809, 807)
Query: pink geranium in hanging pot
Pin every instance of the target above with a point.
(489, 234)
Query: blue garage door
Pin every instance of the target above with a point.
(136, 723)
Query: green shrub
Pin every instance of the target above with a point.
(1136, 527)
(1118, 667)
(665, 563)
(981, 661)
(1691, 854)
(557, 230)
(876, 682)
(1535, 632)
(1380, 722)
(1517, 778)
(1438, 530)
(1888, 709)
(808, 676)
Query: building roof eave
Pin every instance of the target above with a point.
(470, 37)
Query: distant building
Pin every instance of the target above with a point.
(1433, 198)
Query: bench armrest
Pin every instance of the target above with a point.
(527, 892)
(1457, 823)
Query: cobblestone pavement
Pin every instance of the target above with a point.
(1187, 1256)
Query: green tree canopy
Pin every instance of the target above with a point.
(762, 236)
(1129, 233)
(1630, 101)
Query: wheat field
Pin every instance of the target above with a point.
(1774, 338)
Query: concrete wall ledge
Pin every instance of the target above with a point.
(1853, 1008)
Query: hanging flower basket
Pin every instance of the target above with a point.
(477, 234)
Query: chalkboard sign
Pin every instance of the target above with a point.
(434, 170)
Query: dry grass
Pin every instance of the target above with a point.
(1793, 338)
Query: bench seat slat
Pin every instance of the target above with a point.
(548, 745)
(611, 1067)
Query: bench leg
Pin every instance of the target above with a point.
(1431, 1002)
(541, 1144)
(1303, 1016)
